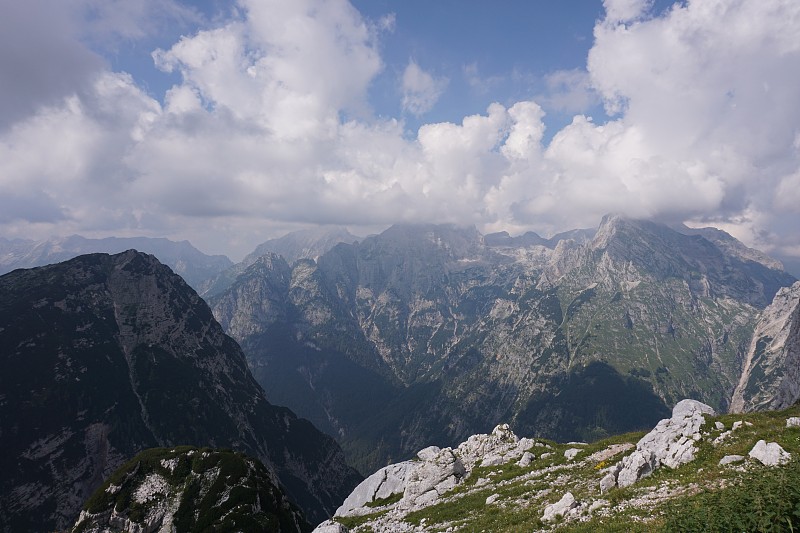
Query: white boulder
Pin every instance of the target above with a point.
(793, 422)
(670, 443)
(329, 526)
(571, 453)
(560, 508)
(526, 459)
(385, 482)
(432, 477)
(770, 454)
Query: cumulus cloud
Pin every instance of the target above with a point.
(421, 90)
(703, 99)
(569, 91)
(625, 10)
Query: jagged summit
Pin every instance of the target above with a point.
(295, 246)
(302, 244)
(447, 333)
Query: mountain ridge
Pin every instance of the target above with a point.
(184, 259)
(459, 334)
(115, 354)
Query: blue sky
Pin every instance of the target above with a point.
(229, 122)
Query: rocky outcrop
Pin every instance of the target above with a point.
(489, 498)
(771, 374)
(435, 471)
(388, 481)
(672, 443)
(185, 489)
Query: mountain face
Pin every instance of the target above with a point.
(190, 489)
(427, 334)
(183, 258)
(771, 374)
(302, 244)
(104, 356)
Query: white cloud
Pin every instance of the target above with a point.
(706, 128)
(421, 90)
(569, 91)
(625, 10)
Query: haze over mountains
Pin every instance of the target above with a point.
(183, 258)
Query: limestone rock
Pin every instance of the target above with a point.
(634, 467)
(670, 443)
(382, 484)
(491, 499)
(770, 454)
(719, 425)
(329, 526)
(607, 483)
(500, 447)
(793, 422)
(433, 477)
(429, 453)
(728, 459)
(571, 453)
(526, 459)
(560, 508)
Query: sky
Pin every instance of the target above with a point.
(230, 122)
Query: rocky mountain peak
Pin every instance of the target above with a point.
(452, 240)
(302, 244)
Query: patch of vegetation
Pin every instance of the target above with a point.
(389, 500)
(762, 499)
(352, 522)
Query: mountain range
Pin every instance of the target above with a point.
(426, 334)
(183, 258)
(108, 355)
(420, 335)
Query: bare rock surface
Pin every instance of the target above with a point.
(769, 453)
(770, 378)
(560, 508)
(671, 443)
(437, 471)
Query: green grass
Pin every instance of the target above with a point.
(389, 500)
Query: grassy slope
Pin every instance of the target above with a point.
(700, 494)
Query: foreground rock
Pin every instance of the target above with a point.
(671, 443)
(769, 454)
(495, 490)
(436, 471)
(560, 508)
